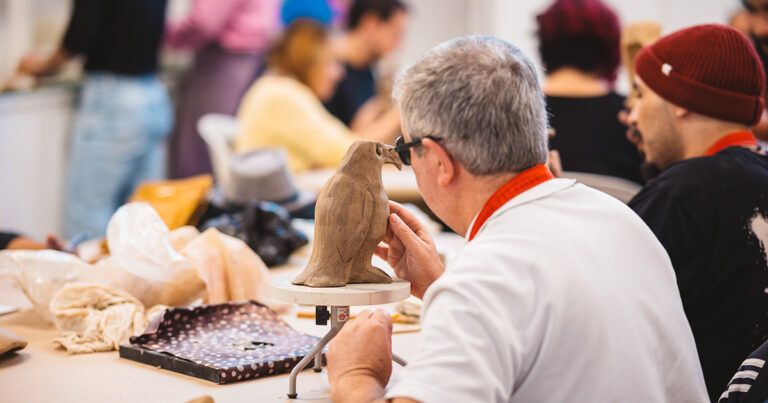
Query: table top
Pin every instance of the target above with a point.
(43, 373)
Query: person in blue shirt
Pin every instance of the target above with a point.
(374, 29)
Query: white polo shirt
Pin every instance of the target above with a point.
(564, 295)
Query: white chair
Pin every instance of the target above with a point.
(619, 188)
(219, 131)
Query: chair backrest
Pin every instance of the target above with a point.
(619, 188)
(219, 131)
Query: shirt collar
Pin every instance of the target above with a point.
(537, 192)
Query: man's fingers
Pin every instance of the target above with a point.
(383, 317)
(365, 314)
(403, 231)
(408, 218)
(554, 163)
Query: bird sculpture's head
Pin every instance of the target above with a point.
(365, 153)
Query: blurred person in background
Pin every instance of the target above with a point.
(12, 240)
(579, 47)
(283, 107)
(229, 38)
(124, 113)
(755, 24)
(375, 28)
(318, 10)
(331, 13)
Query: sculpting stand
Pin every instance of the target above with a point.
(339, 299)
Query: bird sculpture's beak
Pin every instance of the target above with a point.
(392, 157)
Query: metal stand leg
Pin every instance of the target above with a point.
(318, 362)
(339, 316)
(316, 350)
(399, 360)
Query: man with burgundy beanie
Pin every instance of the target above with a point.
(699, 91)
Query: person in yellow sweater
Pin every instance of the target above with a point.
(284, 107)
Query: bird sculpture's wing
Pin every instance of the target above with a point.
(352, 222)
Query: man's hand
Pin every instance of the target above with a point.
(37, 66)
(410, 250)
(554, 164)
(360, 358)
(33, 65)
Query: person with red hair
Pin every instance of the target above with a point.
(579, 48)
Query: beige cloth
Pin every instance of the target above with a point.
(230, 269)
(94, 318)
(281, 111)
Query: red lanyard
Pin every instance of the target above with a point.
(519, 184)
(742, 138)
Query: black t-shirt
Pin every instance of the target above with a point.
(117, 36)
(590, 138)
(357, 87)
(711, 215)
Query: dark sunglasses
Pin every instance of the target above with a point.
(403, 149)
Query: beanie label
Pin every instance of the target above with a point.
(666, 68)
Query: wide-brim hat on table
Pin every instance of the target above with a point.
(263, 175)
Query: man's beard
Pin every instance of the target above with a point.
(648, 170)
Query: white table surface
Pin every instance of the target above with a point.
(42, 373)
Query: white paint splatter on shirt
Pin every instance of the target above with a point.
(759, 226)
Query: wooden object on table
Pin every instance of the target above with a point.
(351, 219)
(10, 341)
(633, 38)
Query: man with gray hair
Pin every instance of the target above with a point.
(561, 293)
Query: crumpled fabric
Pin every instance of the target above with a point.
(41, 274)
(144, 262)
(99, 306)
(230, 269)
(94, 317)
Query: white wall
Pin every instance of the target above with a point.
(432, 22)
(34, 130)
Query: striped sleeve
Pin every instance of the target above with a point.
(746, 383)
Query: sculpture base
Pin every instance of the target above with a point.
(348, 295)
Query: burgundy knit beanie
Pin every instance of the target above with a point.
(709, 69)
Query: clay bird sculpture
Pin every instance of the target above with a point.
(351, 219)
